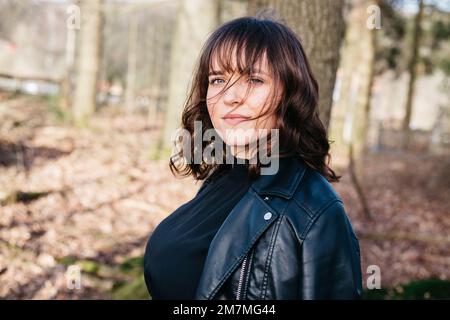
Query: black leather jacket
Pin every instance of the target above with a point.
(287, 238)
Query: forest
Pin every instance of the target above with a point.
(91, 92)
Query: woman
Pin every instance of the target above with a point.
(248, 235)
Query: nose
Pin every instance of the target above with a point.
(234, 94)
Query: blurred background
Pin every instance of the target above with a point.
(91, 91)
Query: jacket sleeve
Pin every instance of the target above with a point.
(330, 256)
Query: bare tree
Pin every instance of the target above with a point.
(351, 107)
(132, 64)
(350, 114)
(196, 18)
(412, 74)
(87, 68)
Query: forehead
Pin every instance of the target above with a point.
(237, 61)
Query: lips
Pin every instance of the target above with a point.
(234, 119)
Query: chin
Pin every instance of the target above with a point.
(236, 136)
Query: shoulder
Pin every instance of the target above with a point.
(314, 200)
(314, 192)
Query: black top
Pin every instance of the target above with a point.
(177, 248)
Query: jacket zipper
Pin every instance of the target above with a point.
(241, 278)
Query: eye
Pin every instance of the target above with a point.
(255, 81)
(216, 81)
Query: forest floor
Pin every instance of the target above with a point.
(90, 198)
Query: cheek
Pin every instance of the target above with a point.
(212, 104)
(214, 114)
(212, 109)
(260, 103)
(259, 98)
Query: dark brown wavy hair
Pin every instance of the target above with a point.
(301, 132)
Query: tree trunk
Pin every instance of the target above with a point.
(65, 98)
(132, 64)
(196, 19)
(320, 26)
(350, 115)
(412, 74)
(159, 47)
(88, 61)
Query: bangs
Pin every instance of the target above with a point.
(240, 48)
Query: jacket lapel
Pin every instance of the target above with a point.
(245, 223)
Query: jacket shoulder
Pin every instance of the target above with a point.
(312, 197)
(314, 193)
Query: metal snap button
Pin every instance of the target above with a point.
(268, 215)
(266, 198)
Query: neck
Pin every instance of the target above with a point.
(242, 152)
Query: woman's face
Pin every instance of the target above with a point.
(228, 110)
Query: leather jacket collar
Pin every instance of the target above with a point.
(285, 182)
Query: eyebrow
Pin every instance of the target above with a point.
(218, 72)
